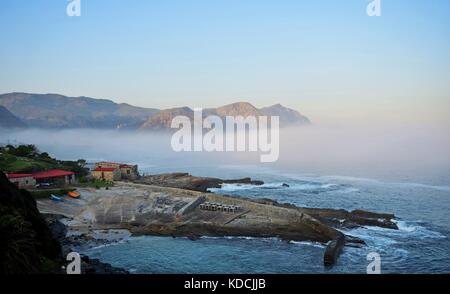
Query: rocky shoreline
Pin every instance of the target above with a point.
(74, 242)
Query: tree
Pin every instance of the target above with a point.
(24, 151)
(45, 156)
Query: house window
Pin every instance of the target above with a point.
(26, 182)
(128, 171)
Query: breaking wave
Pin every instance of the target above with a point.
(382, 238)
(306, 187)
(387, 183)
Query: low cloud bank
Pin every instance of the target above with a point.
(335, 149)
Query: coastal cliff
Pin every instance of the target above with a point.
(27, 244)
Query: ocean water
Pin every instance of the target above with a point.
(421, 245)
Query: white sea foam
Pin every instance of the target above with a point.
(372, 238)
(240, 187)
(314, 244)
(248, 238)
(107, 245)
(408, 229)
(232, 188)
(307, 187)
(384, 239)
(405, 227)
(347, 190)
(308, 177)
(418, 230)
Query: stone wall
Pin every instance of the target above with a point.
(129, 172)
(107, 175)
(24, 183)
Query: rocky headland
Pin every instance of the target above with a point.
(190, 182)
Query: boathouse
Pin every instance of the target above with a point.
(55, 176)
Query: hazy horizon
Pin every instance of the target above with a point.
(396, 153)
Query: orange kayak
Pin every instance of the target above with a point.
(73, 194)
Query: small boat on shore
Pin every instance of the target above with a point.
(55, 198)
(74, 194)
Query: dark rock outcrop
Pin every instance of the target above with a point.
(333, 250)
(57, 228)
(95, 266)
(244, 181)
(341, 218)
(189, 182)
(351, 219)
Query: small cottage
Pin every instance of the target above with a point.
(106, 173)
(127, 171)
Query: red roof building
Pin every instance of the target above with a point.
(126, 171)
(17, 176)
(56, 173)
(55, 176)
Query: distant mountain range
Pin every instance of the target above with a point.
(58, 111)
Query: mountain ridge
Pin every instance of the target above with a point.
(59, 111)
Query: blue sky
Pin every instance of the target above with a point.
(326, 58)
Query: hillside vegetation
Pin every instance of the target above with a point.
(28, 159)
